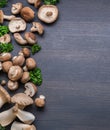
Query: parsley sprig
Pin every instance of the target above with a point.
(6, 47)
(3, 30)
(51, 2)
(2, 128)
(3, 3)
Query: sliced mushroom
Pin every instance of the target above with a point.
(31, 89)
(5, 56)
(2, 17)
(16, 8)
(5, 38)
(19, 39)
(26, 52)
(12, 85)
(21, 126)
(37, 3)
(6, 66)
(18, 60)
(30, 38)
(17, 25)
(27, 14)
(30, 63)
(48, 13)
(25, 77)
(37, 27)
(4, 97)
(15, 73)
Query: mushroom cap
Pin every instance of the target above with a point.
(16, 8)
(1, 16)
(5, 38)
(5, 56)
(12, 85)
(27, 14)
(25, 77)
(17, 25)
(6, 66)
(37, 3)
(18, 60)
(22, 99)
(48, 13)
(30, 63)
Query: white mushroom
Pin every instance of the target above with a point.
(48, 13)
(25, 77)
(31, 89)
(5, 38)
(12, 85)
(18, 60)
(17, 25)
(21, 126)
(6, 66)
(5, 56)
(19, 39)
(16, 8)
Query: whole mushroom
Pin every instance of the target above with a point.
(16, 8)
(12, 85)
(5, 56)
(25, 77)
(30, 63)
(26, 52)
(18, 60)
(6, 66)
(40, 102)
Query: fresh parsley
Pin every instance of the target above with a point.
(3, 30)
(2, 128)
(6, 47)
(35, 48)
(3, 3)
(51, 2)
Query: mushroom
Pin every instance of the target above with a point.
(2, 17)
(21, 126)
(6, 66)
(3, 82)
(4, 97)
(5, 56)
(30, 1)
(27, 14)
(16, 8)
(48, 13)
(31, 89)
(40, 102)
(5, 38)
(25, 77)
(15, 73)
(26, 52)
(12, 85)
(17, 25)
(30, 38)
(37, 27)
(25, 68)
(18, 60)
(37, 3)
(30, 63)
(19, 39)
(0, 65)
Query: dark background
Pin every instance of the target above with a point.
(75, 63)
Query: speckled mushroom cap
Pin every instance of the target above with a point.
(48, 13)
(1, 16)
(22, 99)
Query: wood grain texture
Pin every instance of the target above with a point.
(75, 62)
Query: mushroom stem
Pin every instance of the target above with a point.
(8, 17)
(49, 13)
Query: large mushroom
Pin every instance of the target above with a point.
(5, 56)
(48, 13)
(5, 38)
(16, 8)
(6, 66)
(17, 25)
(18, 60)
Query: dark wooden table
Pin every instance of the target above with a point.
(75, 62)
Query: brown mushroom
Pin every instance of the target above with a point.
(5, 56)
(30, 63)
(2, 17)
(18, 60)
(30, 1)
(3, 82)
(16, 8)
(37, 3)
(27, 14)
(48, 13)
(5, 38)
(12, 85)
(37, 27)
(26, 52)
(40, 102)
(25, 77)
(6, 66)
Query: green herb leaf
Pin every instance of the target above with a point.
(51, 2)
(3, 3)
(3, 30)
(35, 48)
(2, 128)
(6, 47)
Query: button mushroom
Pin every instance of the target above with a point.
(5, 56)
(2, 17)
(27, 14)
(48, 13)
(21, 126)
(31, 89)
(17, 25)
(18, 60)
(15, 73)
(40, 102)
(30, 63)
(12, 85)
(37, 27)
(3, 82)
(6, 66)
(16, 8)
(4, 97)
(25, 77)
(5, 38)
(26, 52)
(37, 3)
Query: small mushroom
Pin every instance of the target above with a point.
(26, 52)
(17, 25)
(16, 8)
(25, 68)
(25, 77)
(2, 17)
(48, 13)
(30, 63)
(12, 85)
(4, 97)
(15, 73)
(31, 89)
(5, 38)
(37, 27)
(37, 3)
(40, 102)
(5, 56)
(19, 39)
(18, 60)
(30, 38)
(6, 66)
(3, 82)
(27, 14)
(21, 126)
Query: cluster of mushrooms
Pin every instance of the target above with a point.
(17, 68)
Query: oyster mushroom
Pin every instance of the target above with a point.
(5, 38)
(30, 63)
(31, 89)
(30, 38)
(16, 8)
(27, 14)
(6, 66)
(17, 25)
(40, 102)
(21, 126)
(15, 73)
(2, 17)
(12, 85)
(48, 13)
(25, 77)
(5, 56)
(4, 96)
(37, 27)
(18, 60)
